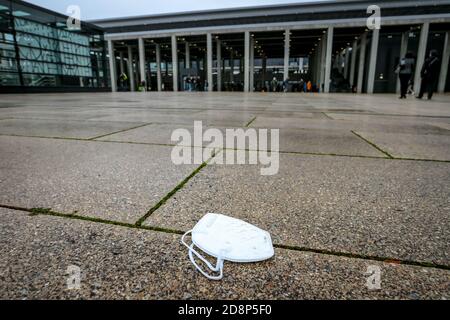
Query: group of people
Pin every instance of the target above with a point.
(405, 69)
(194, 83)
(429, 75)
(284, 86)
(306, 86)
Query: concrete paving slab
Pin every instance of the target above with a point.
(291, 140)
(121, 263)
(443, 125)
(376, 207)
(355, 123)
(147, 117)
(208, 117)
(412, 146)
(287, 114)
(113, 181)
(325, 142)
(44, 115)
(226, 118)
(153, 133)
(299, 123)
(398, 124)
(144, 114)
(62, 128)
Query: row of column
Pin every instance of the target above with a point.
(249, 56)
(421, 52)
(322, 60)
(141, 64)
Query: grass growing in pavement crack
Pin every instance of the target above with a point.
(49, 212)
(170, 194)
(250, 122)
(372, 144)
(37, 211)
(363, 257)
(175, 190)
(120, 131)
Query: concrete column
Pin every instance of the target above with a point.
(231, 66)
(353, 63)
(121, 65)
(347, 62)
(312, 65)
(219, 65)
(317, 58)
(252, 64)
(175, 63)
(373, 60)
(209, 68)
(421, 54)
(362, 62)
(247, 62)
(403, 50)
(112, 66)
(318, 67)
(444, 66)
(327, 77)
(142, 76)
(187, 63)
(136, 72)
(131, 69)
(322, 61)
(287, 43)
(158, 67)
(264, 69)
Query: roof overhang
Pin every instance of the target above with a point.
(301, 25)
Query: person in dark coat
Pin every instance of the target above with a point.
(405, 72)
(429, 74)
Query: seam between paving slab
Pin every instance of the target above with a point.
(67, 120)
(120, 131)
(49, 212)
(328, 116)
(250, 122)
(175, 190)
(281, 152)
(169, 195)
(372, 144)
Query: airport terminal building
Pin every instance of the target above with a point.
(326, 44)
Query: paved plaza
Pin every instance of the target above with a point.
(87, 180)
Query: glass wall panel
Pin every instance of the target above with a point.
(38, 49)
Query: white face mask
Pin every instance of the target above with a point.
(227, 238)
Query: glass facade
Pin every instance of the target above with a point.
(39, 52)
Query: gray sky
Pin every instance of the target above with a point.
(98, 9)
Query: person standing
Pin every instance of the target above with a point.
(309, 86)
(274, 84)
(286, 85)
(405, 72)
(123, 81)
(429, 74)
(301, 85)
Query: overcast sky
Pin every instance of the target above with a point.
(99, 9)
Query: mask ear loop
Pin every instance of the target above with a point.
(217, 268)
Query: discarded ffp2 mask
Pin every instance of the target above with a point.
(227, 238)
